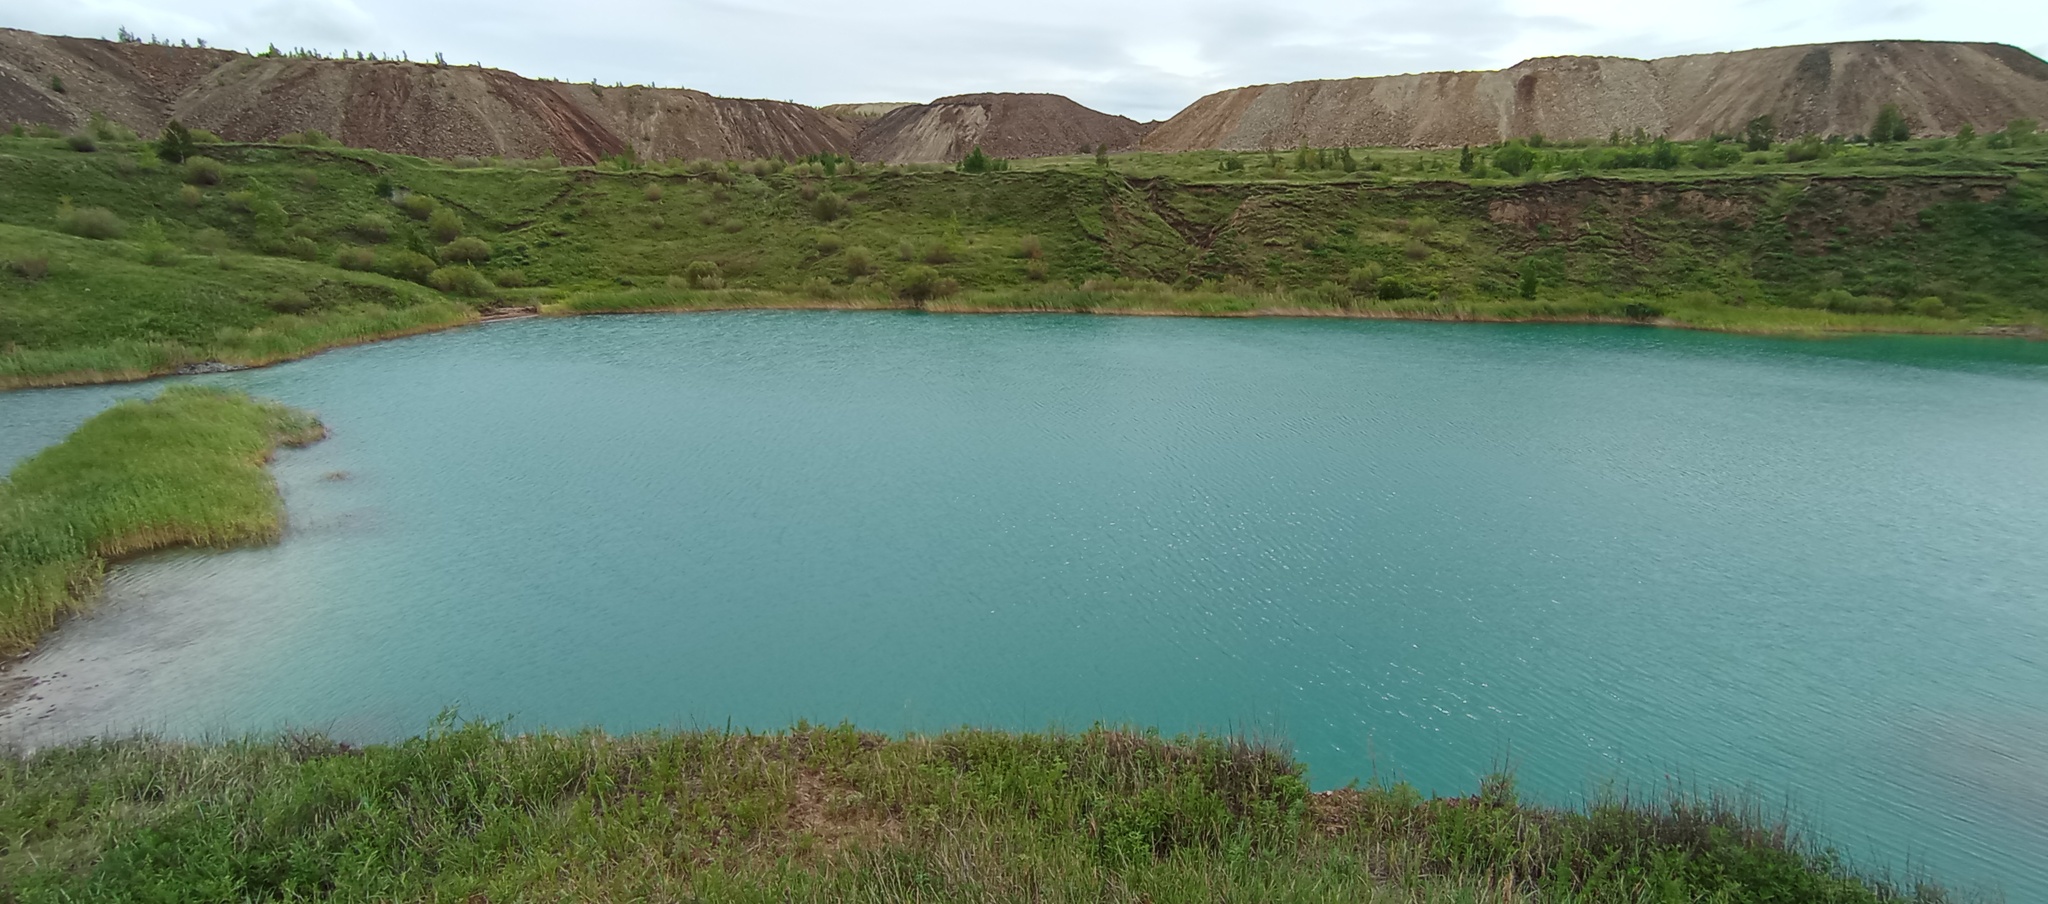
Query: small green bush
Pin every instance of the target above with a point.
(828, 243)
(830, 206)
(1030, 248)
(1035, 270)
(1416, 250)
(465, 250)
(906, 250)
(1365, 279)
(31, 267)
(445, 224)
(463, 281)
(1931, 306)
(290, 301)
(652, 192)
(190, 195)
(419, 207)
(940, 253)
(90, 222)
(1391, 288)
(355, 258)
(301, 247)
(509, 278)
(81, 142)
(411, 266)
(57, 84)
(204, 171)
(703, 275)
(922, 284)
(371, 227)
(859, 261)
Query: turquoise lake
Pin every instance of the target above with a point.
(1814, 570)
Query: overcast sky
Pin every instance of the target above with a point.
(1145, 59)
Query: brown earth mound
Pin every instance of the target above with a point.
(1821, 89)
(1004, 125)
(410, 108)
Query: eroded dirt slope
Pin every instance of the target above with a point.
(1004, 125)
(411, 108)
(1825, 89)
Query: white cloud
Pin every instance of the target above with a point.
(1145, 59)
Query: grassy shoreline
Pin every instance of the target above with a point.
(469, 812)
(1775, 322)
(183, 469)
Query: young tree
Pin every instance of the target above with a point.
(1890, 126)
(1966, 135)
(176, 143)
(1102, 155)
(1760, 132)
(1465, 160)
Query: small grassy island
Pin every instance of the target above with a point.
(185, 469)
(123, 258)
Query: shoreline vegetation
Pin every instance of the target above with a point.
(123, 258)
(470, 812)
(184, 469)
(138, 361)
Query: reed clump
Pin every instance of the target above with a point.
(183, 469)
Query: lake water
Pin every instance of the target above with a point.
(1817, 570)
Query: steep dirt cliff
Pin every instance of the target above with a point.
(1824, 89)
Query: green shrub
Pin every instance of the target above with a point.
(445, 225)
(371, 227)
(652, 192)
(1035, 271)
(1931, 306)
(31, 267)
(190, 195)
(703, 275)
(175, 144)
(1636, 310)
(465, 251)
(81, 142)
(90, 222)
(463, 281)
(1030, 248)
(1890, 126)
(290, 301)
(1391, 288)
(859, 261)
(509, 278)
(1514, 158)
(355, 258)
(1416, 250)
(828, 243)
(301, 247)
(829, 206)
(417, 206)
(922, 284)
(204, 171)
(906, 250)
(411, 266)
(940, 252)
(1365, 279)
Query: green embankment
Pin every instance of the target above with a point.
(467, 813)
(115, 264)
(185, 469)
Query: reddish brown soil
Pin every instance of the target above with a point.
(1004, 125)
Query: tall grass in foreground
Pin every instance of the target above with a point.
(467, 813)
(186, 468)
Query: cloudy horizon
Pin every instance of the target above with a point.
(1145, 60)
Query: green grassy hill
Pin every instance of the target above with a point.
(117, 264)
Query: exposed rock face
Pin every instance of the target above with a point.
(1003, 125)
(1822, 89)
(410, 108)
